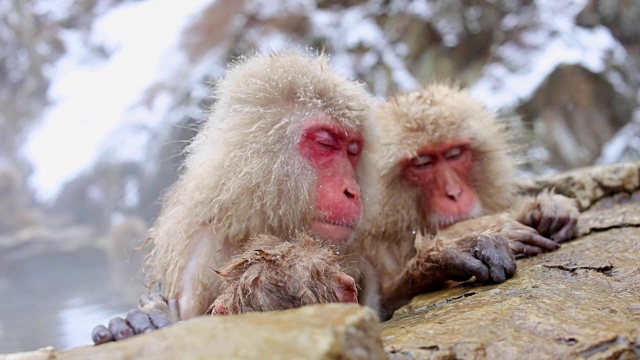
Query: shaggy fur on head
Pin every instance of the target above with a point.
(276, 275)
(243, 175)
(434, 115)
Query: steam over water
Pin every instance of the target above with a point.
(56, 299)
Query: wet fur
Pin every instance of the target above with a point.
(273, 274)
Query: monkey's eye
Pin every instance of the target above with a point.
(453, 153)
(353, 149)
(325, 139)
(422, 161)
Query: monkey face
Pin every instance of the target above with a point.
(333, 152)
(443, 174)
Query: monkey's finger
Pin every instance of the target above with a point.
(566, 232)
(510, 267)
(120, 329)
(557, 223)
(151, 299)
(158, 318)
(465, 264)
(531, 238)
(101, 335)
(534, 217)
(498, 260)
(144, 300)
(139, 321)
(518, 248)
(498, 274)
(543, 226)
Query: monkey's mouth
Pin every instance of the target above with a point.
(335, 232)
(349, 224)
(442, 223)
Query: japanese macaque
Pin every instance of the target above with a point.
(279, 155)
(277, 275)
(443, 159)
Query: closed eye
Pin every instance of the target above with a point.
(325, 139)
(327, 145)
(453, 153)
(353, 149)
(421, 161)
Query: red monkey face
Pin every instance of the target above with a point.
(443, 174)
(334, 153)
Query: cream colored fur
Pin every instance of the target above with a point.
(243, 175)
(436, 114)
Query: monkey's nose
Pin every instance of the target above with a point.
(352, 192)
(453, 192)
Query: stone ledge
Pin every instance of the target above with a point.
(332, 331)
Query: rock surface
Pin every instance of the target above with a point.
(589, 185)
(582, 301)
(333, 331)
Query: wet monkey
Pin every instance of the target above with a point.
(277, 275)
(444, 163)
(278, 156)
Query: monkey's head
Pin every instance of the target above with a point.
(273, 274)
(280, 152)
(443, 158)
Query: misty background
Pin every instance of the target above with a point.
(99, 97)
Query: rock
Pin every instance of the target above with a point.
(332, 331)
(575, 125)
(588, 185)
(578, 302)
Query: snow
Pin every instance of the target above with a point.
(99, 111)
(275, 9)
(555, 41)
(93, 97)
(353, 27)
(56, 9)
(626, 138)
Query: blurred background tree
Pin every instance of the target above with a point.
(566, 71)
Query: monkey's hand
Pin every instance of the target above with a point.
(153, 312)
(523, 240)
(276, 275)
(554, 216)
(487, 256)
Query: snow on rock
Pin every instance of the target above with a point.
(553, 39)
(625, 145)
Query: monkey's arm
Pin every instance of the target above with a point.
(552, 215)
(153, 312)
(193, 290)
(486, 256)
(273, 274)
(190, 296)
